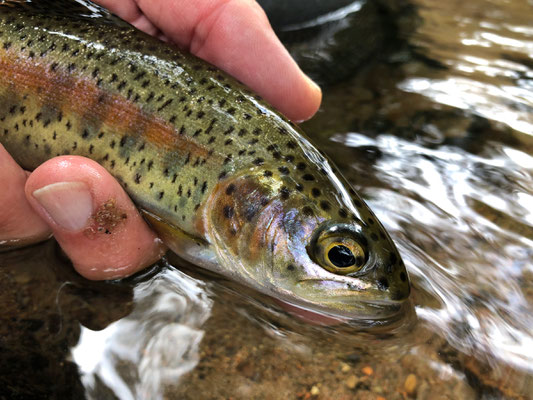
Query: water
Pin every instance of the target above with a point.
(437, 136)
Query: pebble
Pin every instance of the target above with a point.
(351, 382)
(410, 384)
(345, 367)
(367, 370)
(315, 390)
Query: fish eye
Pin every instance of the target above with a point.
(337, 253)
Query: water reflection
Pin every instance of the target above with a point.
(137, 356)
(488, 59)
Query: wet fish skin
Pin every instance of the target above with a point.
(227, 181)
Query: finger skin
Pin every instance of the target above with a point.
(115, 242)
(234, 35)
(19, 223)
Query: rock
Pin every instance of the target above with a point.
(345, 367)
(352, 381)
(410, 384)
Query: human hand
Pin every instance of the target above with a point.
(69, 196)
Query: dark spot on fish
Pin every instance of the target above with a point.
(285, 193)
(230, 189)
(383, 283)
(290, 267)
(258, 161)
(308, 177)
(165, 104)
(137, 178)
(374, 237)
(228, 211)
(284, 170)
(289, 158)
(222, 175)
(343, 213)
(370, 220)
(403, 276)
(307, 211)
(228, 142)
(267, 173)
(315, 192)
(324, 205)
(358, 204)
(299, 187)
(291, 144)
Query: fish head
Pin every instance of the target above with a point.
(336, 259)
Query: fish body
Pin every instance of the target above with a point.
(227, 181)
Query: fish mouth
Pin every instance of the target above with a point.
(349, 299)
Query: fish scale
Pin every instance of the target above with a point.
(175, 131)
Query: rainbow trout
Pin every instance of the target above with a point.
(226, 181)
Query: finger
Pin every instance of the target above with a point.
(92, 218)
(128, 11)
(19, 223)
(237, 37)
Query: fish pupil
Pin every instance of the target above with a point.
(341, 256)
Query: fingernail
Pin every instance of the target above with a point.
(69, 204)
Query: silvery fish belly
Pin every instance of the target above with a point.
(226, 181)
